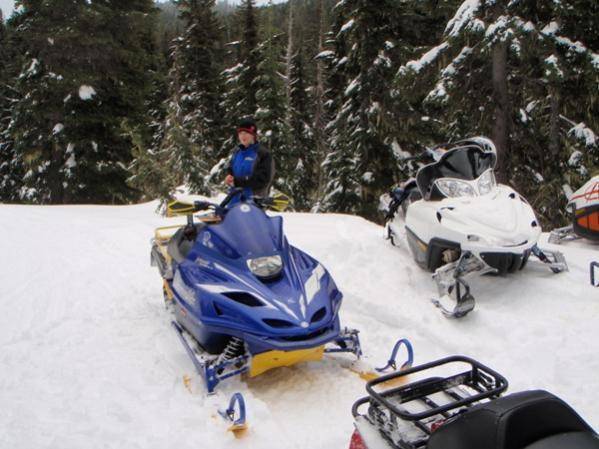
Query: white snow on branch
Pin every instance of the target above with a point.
(426, 59)
(86, 92)
(583, 132)
(347, 26)
(355, 84)
(575, 158)
(325, 54)
(57, 129)
(551, 28)
(450, 70)
(465, 13)
(438, 93)
(553, 67)
(70, 163)
(382, 60)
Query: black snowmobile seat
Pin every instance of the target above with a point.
(517, 421)
(570, 440)
(182, 241)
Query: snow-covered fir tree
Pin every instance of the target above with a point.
(302, 175)
(319, 95)
(364, 108)
(239, 97)
(248, 58)
(518, 72)
(272, 104)
(201, 82)
(11, 164)
(84, 77)
(190, 140)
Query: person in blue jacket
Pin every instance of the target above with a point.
(251, 167)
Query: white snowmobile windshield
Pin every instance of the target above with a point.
(466, 162)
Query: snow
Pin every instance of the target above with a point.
(553, 67)
(89, 358)
(551, 28)
(355, 84)
(325, 54)
(499, 24)
(575, 158)
(464, 14)
(57, 128)
(347, 26)
(86, 92)
(583, 132)
(33, 66)
(426, 59)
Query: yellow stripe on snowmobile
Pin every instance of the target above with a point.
(176, 207)
(169, 292)
(275, 359)
(164, 234)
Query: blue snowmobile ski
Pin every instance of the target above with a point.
(249, 299)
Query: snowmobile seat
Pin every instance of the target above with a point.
(182, 241)
(570, 440)
(516, 421)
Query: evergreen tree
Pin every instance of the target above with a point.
(11, 173)
(365, 109)
(319, 123)
(510, 71)
(302, 174)
(249, 58)
(201, 82)
(85, 78)
(272, 104)
(239, 98)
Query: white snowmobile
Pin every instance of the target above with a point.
(583, 205)
(459, 221)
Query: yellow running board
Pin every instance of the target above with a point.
(275, 359)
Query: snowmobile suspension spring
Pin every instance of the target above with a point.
(233, 349)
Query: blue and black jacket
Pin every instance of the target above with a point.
(252, 168)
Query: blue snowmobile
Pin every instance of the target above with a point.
(244, 299)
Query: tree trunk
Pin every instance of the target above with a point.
(319, 113)
(502, 114)
(554, 137)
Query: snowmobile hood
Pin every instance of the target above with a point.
(586, 196)
(500, 219)
(216, 277)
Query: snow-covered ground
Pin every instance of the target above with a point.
(88, 358)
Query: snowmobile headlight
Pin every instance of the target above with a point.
(454, 188)
(266, 267)
(486, 182)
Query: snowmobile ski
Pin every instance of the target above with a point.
(235, 415)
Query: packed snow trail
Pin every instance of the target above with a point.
(88, 357)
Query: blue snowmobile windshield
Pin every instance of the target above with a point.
(466, 163)
(249, 231)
